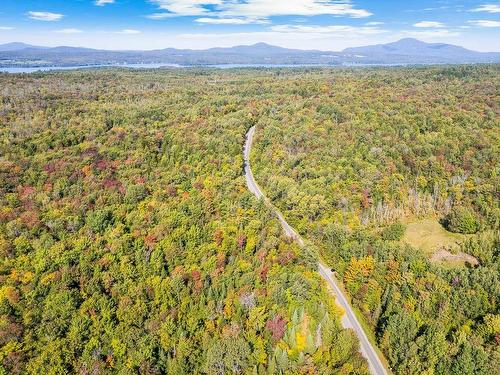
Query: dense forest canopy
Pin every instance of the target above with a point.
(352, 157)
(130, 244)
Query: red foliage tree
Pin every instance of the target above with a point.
(276, 326)
(242, 241)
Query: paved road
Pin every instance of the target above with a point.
(349, 319)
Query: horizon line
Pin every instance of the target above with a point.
(233, 46)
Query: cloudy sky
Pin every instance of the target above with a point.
(307, 24)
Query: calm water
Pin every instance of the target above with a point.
(156, 66)
(163, 65)
(52, 68)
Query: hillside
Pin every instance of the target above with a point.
(405, 51)
(421, 50)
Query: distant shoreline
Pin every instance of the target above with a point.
(41, 69)
(405, 52)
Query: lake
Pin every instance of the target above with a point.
(166, 65)
(53, 68)
(154, 66)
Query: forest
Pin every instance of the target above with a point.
(129, 243)
(354, 159)
(128, 240)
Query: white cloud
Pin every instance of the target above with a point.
(101, 3)
(485, 23)
(69, 31)
(160, 16)
(429, 24)
(256, 9)
(490, 8)
(128, 31)
(436, 8)
(230, 21)
(266, 8)
(6, 28)
(374, 23)
(186, 7)
(45, 16)
(337, 30)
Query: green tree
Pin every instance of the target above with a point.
(462, 220)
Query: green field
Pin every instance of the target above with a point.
(436, 242)
(430, 236)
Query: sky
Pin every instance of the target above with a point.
(328, 25)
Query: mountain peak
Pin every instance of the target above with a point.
(403, 51)
(418, 49)
(262, 44)
(15, 46)
(409, 40)
(257, 48)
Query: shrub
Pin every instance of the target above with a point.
(99, 220)
(462, 220)
(22, 245)
(394, 232)
(136, 193)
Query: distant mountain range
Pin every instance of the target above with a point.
(404, 51)
(15, 47)
(416, 48)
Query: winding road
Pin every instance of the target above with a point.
(349, 319)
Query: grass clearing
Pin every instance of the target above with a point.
(436, 242)
(429, 236)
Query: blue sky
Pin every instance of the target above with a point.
(306, 24)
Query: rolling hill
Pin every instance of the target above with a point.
(404, 51)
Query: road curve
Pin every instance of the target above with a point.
(349, 319)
